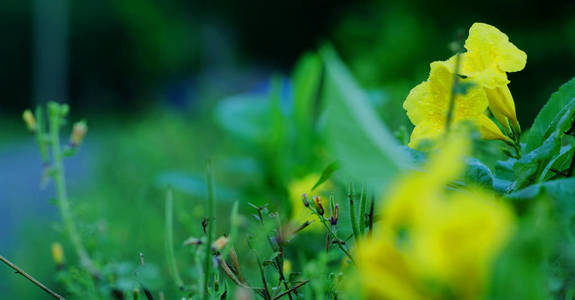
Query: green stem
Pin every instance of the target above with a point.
(60, 182)
(170, 239)
(353, 218)
(210, 230)
(362, 205)
(330, 231)
(453, 93)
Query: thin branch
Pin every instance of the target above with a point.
(30, 278)
(291, 290)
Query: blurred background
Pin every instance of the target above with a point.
(150, 77)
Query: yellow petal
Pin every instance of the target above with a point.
(447, 163)
(471, 105)
(441, 81)
(415, 102)
(502, 106)
(427, 104)
(426, 131)
(490, 50)
(461, 240)
(415, 196)
(490, 131)
(386, 273)
(510, 58)
(481, 70)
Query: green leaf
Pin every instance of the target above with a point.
(504, 175)
(559, 162)
(528, 168)
(560, 194)
(306, 80)
(543, 121)
(366, 148)
(245, 116)
(520, 271)
(326, 174)
(562, 190)
(478, 173)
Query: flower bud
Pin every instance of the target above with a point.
(193, 241)
(78, 133)
(29, 119)
(136, 294)
(318, 206)
(335, 216)
(220, 243)
(57, 254)
(305, 200)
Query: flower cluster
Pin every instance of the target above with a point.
(433, 243)
(483, 69)
(299, 189)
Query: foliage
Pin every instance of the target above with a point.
(307, 194)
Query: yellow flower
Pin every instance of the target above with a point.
(57, 253)
(386, 272)
(460, 240)
(300, 214)
(29, 119)
(489, 56)
(427, 106)
(429, 237)
(287, 267)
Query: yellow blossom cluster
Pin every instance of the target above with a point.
(483, 67)
(431, 243)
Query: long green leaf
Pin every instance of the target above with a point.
(326, 174)
(366, 148)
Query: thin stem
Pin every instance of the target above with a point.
(352, 216)
(453, 94)
(370, 216)
(280, 258)
(362, 205)
(30, 278)
(170, 239)
(60, 182)
(210, 229)
(337, 240)
(293, 289)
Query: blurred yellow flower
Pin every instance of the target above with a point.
(300, 214)
(30, 120)
(431, 243)
(489, 56)
(57, 253)
(427, 106)
(287, 267)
